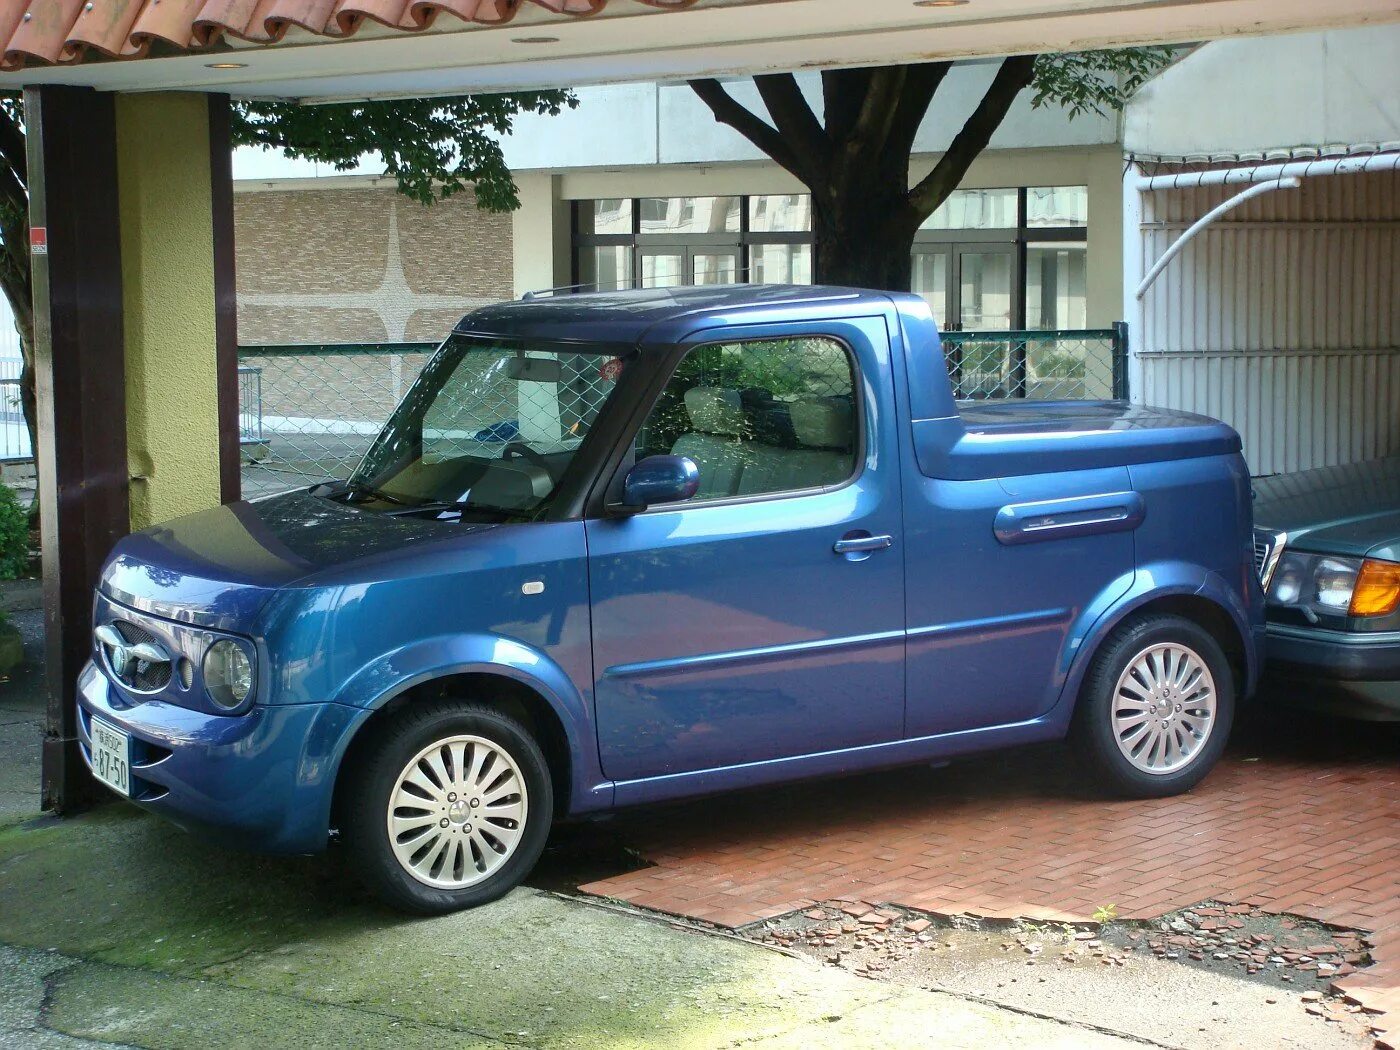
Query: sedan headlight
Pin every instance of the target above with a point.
(1328, 585)
(228, 673)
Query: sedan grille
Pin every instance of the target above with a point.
(1268, 546)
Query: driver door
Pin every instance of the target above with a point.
(735, 627)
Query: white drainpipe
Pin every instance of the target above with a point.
(1258, 189)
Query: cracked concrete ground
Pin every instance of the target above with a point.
(122, 930)
(21, 711)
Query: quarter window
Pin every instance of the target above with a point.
(759, 417)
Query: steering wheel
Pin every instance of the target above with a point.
(524, 451)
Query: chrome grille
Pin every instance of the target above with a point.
(136, 672)
(1268, 545)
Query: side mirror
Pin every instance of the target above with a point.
(659, 479)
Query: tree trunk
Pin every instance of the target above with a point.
(876, 257)
(862, 228)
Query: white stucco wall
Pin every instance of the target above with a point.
(1321, 91)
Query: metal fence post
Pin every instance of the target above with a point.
(1120, 360)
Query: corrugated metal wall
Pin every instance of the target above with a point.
(1281, 319)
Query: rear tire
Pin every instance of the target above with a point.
(1156, 707)
(450, 809)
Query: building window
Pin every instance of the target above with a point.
(986, 260)
(975, 210)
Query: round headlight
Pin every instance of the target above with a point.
(228, 673)
(1335, 580)
(1288, 581)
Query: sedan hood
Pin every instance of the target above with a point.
(219, 567)
(1352, 509)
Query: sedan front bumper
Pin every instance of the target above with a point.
(260, 781)
(1355, 673)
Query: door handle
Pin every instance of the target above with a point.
(862, 544)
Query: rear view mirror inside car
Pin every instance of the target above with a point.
(534, 369)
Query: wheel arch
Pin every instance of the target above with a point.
(504, 693)
(1177, 588)
(519, 680)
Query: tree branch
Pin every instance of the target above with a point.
(794, 119)
(921, 84)
(843, 92)
(12, 146)
(1014, 75)
(759, 132)
(872, 126)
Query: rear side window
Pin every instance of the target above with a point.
(759, 417)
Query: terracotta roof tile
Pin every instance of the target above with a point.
(53, 31)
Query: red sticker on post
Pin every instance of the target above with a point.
(610, 370)
(38, 240)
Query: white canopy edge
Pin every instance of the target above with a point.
(1269, 172)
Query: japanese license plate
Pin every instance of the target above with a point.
(111, 751)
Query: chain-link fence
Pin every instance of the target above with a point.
(1076, 365)
(309, 412)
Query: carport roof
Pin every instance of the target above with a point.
(66, 31)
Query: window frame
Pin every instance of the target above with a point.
(1019, 236)
(607, 494)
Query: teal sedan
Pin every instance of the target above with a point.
(1327, 546)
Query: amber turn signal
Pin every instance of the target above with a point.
(1377, 590)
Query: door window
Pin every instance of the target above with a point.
(759, 417)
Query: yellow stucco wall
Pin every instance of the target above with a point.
(168, 285)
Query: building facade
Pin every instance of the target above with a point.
(640, 187)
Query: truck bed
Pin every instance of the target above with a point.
(1017, 437)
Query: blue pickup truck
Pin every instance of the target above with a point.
(620, 548)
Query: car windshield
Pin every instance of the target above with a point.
(487, 431)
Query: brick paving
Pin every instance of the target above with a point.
(1302, 816)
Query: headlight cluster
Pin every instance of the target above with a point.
(228, 673)
(1328, 585)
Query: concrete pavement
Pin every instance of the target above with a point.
(120, 929)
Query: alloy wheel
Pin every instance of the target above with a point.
(1163, 708)
(457, 812)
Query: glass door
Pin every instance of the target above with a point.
(670, 266)
(932, 272)
(714, 265)
(662, 267)
(985, 301)
(986, 287)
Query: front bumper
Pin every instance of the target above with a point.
(1357, 673)
(261, 780)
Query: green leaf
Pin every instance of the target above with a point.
(433, 147)
(1095, 81)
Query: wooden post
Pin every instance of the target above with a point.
(80, 364)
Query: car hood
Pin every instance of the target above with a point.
(219, 567)
(1351, 509)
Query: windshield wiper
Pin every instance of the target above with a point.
(463, 509)
(356, 488)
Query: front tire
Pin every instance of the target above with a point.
(1156, 707)
(451, 809)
